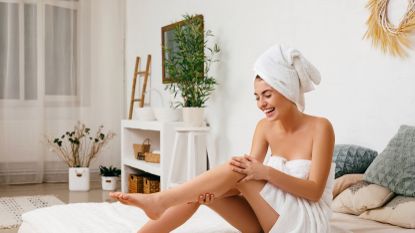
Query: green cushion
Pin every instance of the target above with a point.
(395, 166)
(351, 159)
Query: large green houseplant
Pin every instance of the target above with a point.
(188, 64)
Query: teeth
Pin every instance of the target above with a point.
(268, 110)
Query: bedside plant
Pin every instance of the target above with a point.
(109, 177)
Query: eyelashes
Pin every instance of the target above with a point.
(266, 96)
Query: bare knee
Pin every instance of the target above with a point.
(229, 171)
(242, 186)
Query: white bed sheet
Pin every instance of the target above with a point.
(110, 218)
(118, 218)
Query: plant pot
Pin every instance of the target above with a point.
(193, 117)
(167, 114)
(78, 179)
(144, 114)
(109, 183)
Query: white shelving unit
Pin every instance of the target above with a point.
(161, 137)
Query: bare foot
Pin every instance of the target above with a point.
(148, 202)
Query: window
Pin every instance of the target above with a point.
(38, 50)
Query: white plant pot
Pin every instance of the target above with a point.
(193, 117)
(78, 179)
(144, 114)
(109, 183)
(167, 114)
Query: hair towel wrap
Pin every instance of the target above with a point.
(287, 71)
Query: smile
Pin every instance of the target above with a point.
(269, 110)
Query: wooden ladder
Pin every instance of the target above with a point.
(138, 73)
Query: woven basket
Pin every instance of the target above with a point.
(140, 149)
(152, 157)
(151, 184)
(136, 183)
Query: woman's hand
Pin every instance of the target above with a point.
(250, 167)
(204, 199)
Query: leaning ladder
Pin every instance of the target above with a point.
(138, 73)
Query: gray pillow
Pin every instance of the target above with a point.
(395, 166)
(351, 159)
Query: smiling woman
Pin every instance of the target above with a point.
(282, 195)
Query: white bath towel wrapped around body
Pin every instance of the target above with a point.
(298, 215)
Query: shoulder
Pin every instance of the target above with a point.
(322, 127)
(263, 125)
(321, 123)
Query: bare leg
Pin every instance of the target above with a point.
(217, 181)
(266, 215)
(233, 208)
(171, 219)
(237, 211)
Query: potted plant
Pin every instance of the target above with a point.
(77, 149)
(188, 64)
(109, 176)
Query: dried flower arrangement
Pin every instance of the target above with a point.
(391, 39)
(77, 148)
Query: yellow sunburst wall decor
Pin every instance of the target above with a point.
(390, 38)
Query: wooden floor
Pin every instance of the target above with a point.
(60, 190)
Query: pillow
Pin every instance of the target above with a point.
(344, 182)
(395, 166)
(352, 159)
(400, 211)
(360, 197)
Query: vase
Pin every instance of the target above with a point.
(193, 116)
(78, 179)
(109, 183)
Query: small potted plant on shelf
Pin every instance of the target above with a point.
(77, 149)
(188, 65)
(109, 176)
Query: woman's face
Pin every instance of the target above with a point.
(270, 101)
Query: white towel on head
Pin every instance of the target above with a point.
(287, 71)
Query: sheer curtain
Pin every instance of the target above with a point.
(44, 82)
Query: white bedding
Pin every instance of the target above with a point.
(118, 218)
(110, 218)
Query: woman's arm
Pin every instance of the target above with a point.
(311, 189)
(259, 146)
(322, 152)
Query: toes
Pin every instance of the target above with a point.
(114, 194)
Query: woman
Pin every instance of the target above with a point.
(291, 192)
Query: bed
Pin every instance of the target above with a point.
(370, 198)
(118, 218)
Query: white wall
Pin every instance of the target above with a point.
(107, 51)
(364, 93)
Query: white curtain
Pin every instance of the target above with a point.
(45, 84)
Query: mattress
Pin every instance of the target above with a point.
(118, 218)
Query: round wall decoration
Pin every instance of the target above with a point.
(392, 39)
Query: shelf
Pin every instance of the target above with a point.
(153, 168)
(145, 125)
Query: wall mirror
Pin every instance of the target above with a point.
(168, 45)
